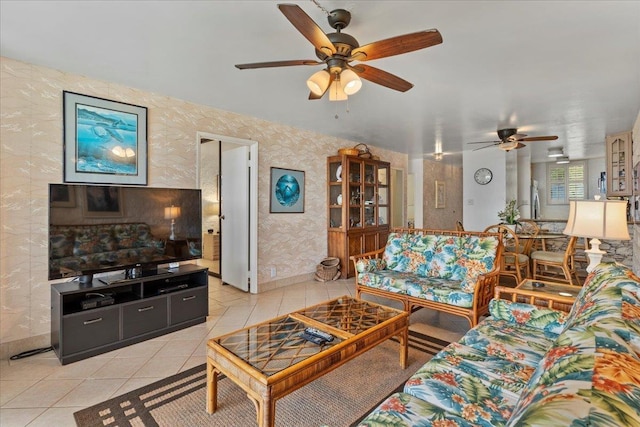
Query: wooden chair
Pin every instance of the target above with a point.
(514, 263)
(528, 226)
(557, 266)
(459, 226)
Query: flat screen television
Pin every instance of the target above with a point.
(102, 228)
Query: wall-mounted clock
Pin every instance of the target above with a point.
(483, 176)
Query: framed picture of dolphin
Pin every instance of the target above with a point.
(287, 191)
(105, 142)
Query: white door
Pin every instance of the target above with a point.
(234, 215)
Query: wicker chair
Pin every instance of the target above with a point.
(557, 266)
(514, 262)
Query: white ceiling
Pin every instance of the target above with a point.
(566, 68)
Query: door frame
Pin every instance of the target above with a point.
(253, 199)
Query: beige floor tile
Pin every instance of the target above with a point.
(120, 368)
(90, 392)
(58, 417)
(20, 417)
(161, 367)
(29, 369)
(179, 348)
(143, 349)
(44, 393)
(10, 389)
(81, 369)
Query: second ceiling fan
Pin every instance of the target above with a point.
(510, 139)
(337, 50)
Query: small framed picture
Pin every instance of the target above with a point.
(286, 191)
(102, 201)
(105, 142)
(62, 196)
(440, 195)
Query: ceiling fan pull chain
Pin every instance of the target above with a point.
(321, 8)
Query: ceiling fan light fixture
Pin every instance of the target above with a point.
(555, 152)
(508, 145)
(319, 82)
(562, 160)
(335, 91)
(350, 81)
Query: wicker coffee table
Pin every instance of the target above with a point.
(270, 360)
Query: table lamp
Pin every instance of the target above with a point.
(597, 219)
(172, 213)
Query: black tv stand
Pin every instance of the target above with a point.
(127, 311)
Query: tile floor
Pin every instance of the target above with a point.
(38, 391)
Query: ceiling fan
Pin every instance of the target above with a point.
(337, 50)
(510, 139)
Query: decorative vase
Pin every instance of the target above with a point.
(511, 226)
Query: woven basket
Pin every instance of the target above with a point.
(328, 269)
(348, 152)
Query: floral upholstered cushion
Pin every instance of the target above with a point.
(428, 288)
(374, 264)
(527, 314)
(589, 377)
(404, 410)
(447, 257)
(591, 374)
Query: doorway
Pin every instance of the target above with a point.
(397, 198)
(229, 212)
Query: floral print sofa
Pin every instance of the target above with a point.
(532, 366)
(79, 247)
(451, 271)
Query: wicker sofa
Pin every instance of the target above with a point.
(535, 366)
(450, 271)
(81, 247)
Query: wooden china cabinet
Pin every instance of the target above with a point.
(359, 206)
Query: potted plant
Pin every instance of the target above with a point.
(510, 215)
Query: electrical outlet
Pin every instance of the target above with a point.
(273, 272)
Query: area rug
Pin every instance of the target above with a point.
(337, 399)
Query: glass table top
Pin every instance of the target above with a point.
(277, 344)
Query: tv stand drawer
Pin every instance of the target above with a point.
(144, 316)
(189, 304)
(91, 329)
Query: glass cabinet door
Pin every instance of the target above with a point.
(336, 198)
(355, 194)
(383, 196)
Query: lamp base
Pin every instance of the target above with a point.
(172, 236)
(595, 254)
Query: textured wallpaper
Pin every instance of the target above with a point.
(31, 158)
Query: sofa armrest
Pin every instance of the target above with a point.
(377, 254)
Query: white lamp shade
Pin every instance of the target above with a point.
(336, 93)
(599, 219)
(318, 82)
(171, 212)
(350, 81)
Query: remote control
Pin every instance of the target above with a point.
(325, 336)
(312, 338)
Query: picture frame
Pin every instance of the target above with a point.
(105, 142)
(440, 195)
(286, 191)
(62, 196)
(102, 202)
